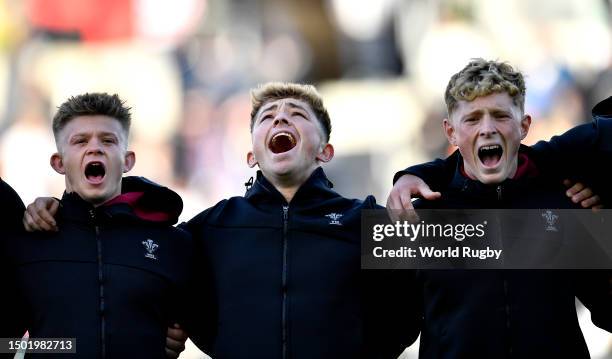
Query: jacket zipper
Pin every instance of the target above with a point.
(284, 281)
(499, 193)
(101, 284)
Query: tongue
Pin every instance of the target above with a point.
(95, 178)
(490, 160)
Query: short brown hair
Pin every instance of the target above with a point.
(481, 78)
(90, 104)
(273, 91)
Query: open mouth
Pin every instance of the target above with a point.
(490, 155)
(95, 172)
(282, 142)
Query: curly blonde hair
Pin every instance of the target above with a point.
(273, 91)
(481, 78)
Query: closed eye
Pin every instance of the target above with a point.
(501, 115)
(265, 117)
(299, 114)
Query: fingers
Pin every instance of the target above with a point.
(47, 213)
(53, 206)
(171, 355)
(175, 341)
(582, 195)
(592, 201)
(394, 200)
(579, 193)
(406, 201)
(399, 208)
(577, 187)
(36, 219)
(177, 333)
(430, 195)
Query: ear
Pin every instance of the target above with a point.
(251, 161)
(129, 161)
(326, 153)
(525, 124)
(449, 131)
(57, 163)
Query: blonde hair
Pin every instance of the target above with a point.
(481, 78)
(273, 91)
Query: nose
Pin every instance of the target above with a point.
(281, 118)
(95, 147)
(487, 126)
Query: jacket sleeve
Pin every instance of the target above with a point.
(200, 320)
(583, 153)
(11, 209)
(12, 312)
(437, 173)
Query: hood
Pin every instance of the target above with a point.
(146, 200)
(140, 199)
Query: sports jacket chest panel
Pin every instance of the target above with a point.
(298, 270)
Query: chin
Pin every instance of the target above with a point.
(281, 169)
(95, 197)
(491, 178)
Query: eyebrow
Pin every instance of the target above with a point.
(473, 113)
(275, 106)
(89, 134)
(272, 107)
(293, 105)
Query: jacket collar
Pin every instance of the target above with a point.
(140, 200)
(316, 187)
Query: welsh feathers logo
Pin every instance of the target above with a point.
(334, 218)
(150, 247)
(550, 218)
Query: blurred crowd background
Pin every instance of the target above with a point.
(186, 67)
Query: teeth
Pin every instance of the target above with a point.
(491, 147)
(284, 134)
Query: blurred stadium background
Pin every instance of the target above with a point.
(186, 66)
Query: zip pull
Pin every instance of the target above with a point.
(499, 193)
(248, 184)
(92, 215)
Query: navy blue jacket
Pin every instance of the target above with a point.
(286, 277)
(507, 313)
(112, 277)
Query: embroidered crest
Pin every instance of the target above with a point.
(150, 247)
(550, 218)
(334, 218)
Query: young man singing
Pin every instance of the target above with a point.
(115, 275)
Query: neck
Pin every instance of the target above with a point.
(289, 184)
